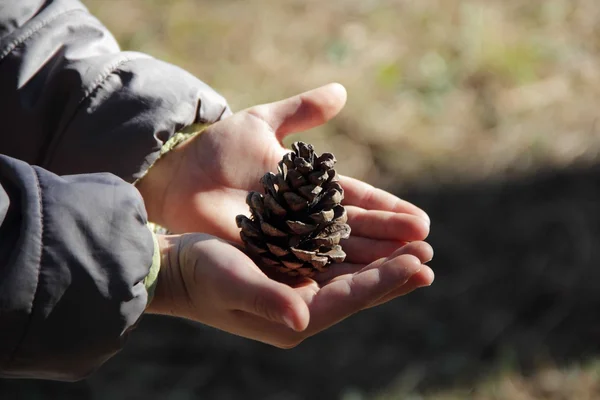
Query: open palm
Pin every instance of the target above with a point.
(204, 182)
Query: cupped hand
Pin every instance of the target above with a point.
(202, 184)
(208, 280)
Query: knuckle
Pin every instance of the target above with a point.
(368, 196)
(261, 307)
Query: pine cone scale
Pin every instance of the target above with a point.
(274, 206)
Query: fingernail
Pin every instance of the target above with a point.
(289, 322)
(426, 226)
(430, 278)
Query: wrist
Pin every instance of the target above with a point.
(154, 184)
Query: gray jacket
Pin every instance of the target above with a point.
(81, 120)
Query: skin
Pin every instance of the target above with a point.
(201, 186)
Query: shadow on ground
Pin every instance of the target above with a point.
(517, 285)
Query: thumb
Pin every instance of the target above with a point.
(273, 301)
(303, 111)
(223, 278)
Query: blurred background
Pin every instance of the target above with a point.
(482, 112)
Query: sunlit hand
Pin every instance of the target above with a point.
(207, 280)
(202, 184)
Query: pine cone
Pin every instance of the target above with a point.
(296, 226)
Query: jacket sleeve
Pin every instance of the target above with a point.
(74, 254)
(78, 103)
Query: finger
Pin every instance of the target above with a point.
(346, 295)
(361, 250)
(363, 195)
(336, 301)
(421, 279)
(422, 250)
(377, 224)
(303, 111)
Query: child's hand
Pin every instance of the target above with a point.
(202, 184)
(205, 279)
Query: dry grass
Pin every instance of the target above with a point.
(439, 91)
(578, 382)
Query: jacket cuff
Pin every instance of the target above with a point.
(175, 140)
(130, 114)
(151, 279)
(77, 261)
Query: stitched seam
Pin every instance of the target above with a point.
(37, 283)
(32, 31)
(100, 80)
(86, 95)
